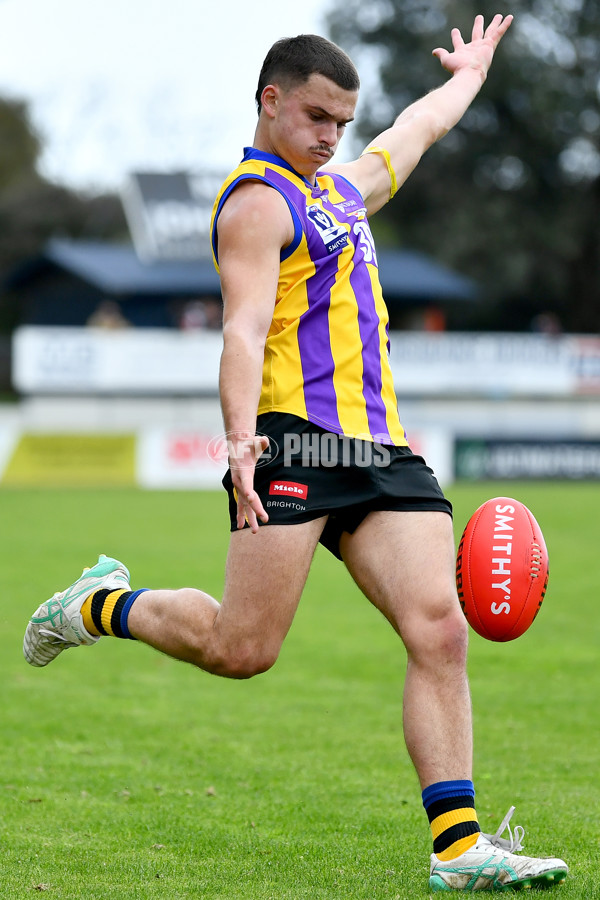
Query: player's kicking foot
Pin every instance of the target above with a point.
(58, 624)
(492, 865)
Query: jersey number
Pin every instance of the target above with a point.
(365, 239)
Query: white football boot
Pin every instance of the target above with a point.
(493, 865)
(58, 625)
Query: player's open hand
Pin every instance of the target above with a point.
(479, 52)
(243, 454)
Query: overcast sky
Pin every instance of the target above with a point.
(141, 84)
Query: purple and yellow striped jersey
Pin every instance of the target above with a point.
(326, 353)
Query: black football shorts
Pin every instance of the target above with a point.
(308, 472)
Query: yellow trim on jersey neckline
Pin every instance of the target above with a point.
(385, 153)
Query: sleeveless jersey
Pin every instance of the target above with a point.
(326, 353)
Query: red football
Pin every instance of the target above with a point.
(501, 569)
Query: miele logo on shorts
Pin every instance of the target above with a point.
(289, 488)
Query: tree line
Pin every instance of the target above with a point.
(33, 209)
(511, 196)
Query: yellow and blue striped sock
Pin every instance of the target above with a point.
(450, 808)
(105, 612)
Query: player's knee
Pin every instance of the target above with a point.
(440, 634)
(453, 636)
(245, 666)
(244, 661)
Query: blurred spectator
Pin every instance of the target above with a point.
(546, 323)
(107, 315)
(204, 314)
(434, 319)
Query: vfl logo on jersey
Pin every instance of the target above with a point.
(331, 233)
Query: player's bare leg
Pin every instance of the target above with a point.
(404, 563)
(242, 635)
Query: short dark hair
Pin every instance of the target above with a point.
(291, 62)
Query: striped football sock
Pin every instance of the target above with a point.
(106, 612)
(450, 808)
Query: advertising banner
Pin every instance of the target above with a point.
(162, 361)
(494, 365)
(178, 458)
(479, 460)
(71, 460)
(150, 361)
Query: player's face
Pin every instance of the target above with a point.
(307, 122)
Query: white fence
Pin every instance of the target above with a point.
(161, 362)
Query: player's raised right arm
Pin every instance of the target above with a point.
(253, 226)
(388, 160)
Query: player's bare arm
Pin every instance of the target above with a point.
(427, 120)
(253, 226)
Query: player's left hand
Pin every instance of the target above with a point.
(244, 451)
(479, 52)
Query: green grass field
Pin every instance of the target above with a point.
(127, 775)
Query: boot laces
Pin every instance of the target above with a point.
(514, 841)
(56, 639)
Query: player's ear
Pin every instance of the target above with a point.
(269, 99)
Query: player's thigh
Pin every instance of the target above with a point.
(404, 563)
(264, 579)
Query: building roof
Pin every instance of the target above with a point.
(116, 269)
(406, 275)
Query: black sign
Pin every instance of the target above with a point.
(480, 460)
(169, 214)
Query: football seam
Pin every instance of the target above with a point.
(540, 544)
